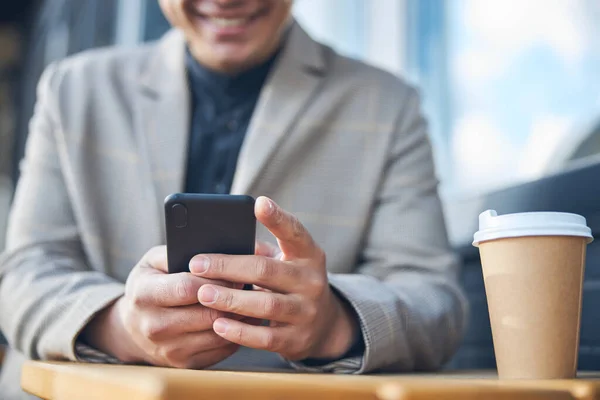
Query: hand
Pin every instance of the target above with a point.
(307, 319)
(159, 321)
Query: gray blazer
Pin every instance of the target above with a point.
(340, 144)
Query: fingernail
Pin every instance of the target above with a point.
(199, 265)
(220, 326)
(270, 207)
(208, 294)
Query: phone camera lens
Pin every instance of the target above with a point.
(179, 213)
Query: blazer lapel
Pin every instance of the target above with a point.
(163, 113)
(162, 120)
(293, 82)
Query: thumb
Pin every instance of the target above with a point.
(156, 260)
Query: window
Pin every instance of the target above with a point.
(340, 23)
(155, 24)
(61, 28)
(510, 88)
(364, 29)
(524, 87)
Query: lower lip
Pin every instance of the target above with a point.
(229, 31)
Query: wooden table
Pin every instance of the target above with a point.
(69, 381)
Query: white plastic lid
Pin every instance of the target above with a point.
(493, 226)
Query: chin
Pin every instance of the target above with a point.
(237, 60)
(233, 65)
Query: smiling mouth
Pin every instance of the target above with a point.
(229, 22)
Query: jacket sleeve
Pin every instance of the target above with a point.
(411, 309)
(48, 292)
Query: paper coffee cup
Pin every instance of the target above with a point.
(533, 266)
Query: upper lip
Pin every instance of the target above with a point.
(227, 14)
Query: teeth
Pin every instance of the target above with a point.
(228, 22)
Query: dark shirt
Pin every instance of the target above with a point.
(222, 107)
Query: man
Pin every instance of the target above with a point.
(237, 99)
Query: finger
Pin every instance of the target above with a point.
(270, 306)
(195, 351)
(170, 290)
(164, 323)
(293, 238)
(188, 344)
(256, 337)
(266, 249)
(262, 271)
(212, 357)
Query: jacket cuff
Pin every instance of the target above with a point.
(349, 363)
(87, 306)
(382, 329)
(87, 354)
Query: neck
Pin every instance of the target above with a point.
(231, 69)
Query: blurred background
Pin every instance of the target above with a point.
(511, 90)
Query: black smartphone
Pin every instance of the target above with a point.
(207, 224)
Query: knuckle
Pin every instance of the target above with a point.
(239, 334)
(320, 286)
(157, 356)
(297, 228)
(229, 302)
(151, 329)
(317, 284)
(136, 294)
(292, 272)
(129, 288)
(172, 354)
(136, 299)
(311, 312)
(270, 341)
(217, 265)
(264, 269)
(278, 216)
(305, 342)
(213, 315)
(184, 289)
(293, 308)
(133, 276)
(272, 307)
(129, 318)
